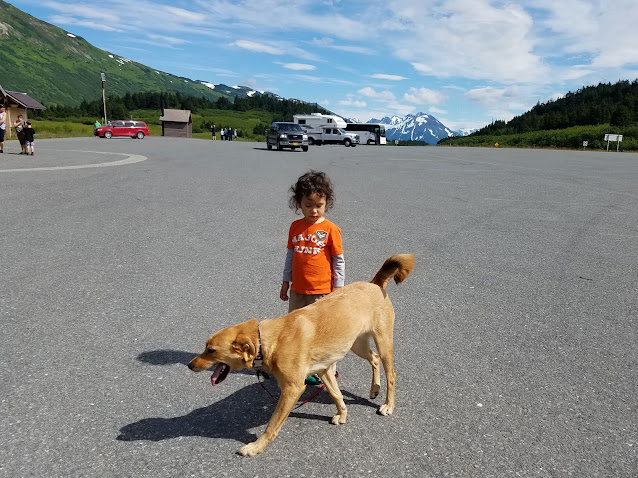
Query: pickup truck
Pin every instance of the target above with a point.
(326, 135)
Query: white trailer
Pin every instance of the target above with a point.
(317, 120)
(326, 129)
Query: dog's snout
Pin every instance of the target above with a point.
(191, 366)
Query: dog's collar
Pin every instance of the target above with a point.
(258, 361)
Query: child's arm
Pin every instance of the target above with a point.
(338, 271)
(287, 276)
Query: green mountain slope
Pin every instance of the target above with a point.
(54, 68)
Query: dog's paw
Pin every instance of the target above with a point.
(250, 450)
(339, 419)
(374, 390)
(385, 410)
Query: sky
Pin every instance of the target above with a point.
(465, 62)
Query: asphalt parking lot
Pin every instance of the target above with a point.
(515, 337)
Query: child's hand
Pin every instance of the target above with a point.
(283, 293)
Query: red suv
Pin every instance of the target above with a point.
(132, 129)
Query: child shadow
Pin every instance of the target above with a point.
(229, 418)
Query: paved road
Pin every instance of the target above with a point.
(515, 336)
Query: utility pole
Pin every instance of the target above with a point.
(104, 96)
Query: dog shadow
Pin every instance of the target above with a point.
(170, 357)
(229, 418)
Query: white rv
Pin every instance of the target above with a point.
(326, 129)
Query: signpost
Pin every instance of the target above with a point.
(613, 137)
(104, 96)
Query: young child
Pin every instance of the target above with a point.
(314, 260)
(28, 138)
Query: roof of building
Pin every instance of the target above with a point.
(177, 116)
(24, 100)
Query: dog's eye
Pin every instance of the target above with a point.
(210, 350)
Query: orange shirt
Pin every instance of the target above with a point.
(312, 246)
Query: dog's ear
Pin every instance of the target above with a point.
(244, 346)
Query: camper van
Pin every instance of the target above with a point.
(326, 129)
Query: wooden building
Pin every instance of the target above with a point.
(177, 123)
(16, 104)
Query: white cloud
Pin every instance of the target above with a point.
(327, 42)
(351, 102)
(359, 50)
(383, 76)
(311, 79)
(257, 47)
(186, 16)
(66, 20)
(421, 68)
(489, 96)
(424, 96)
(166, 40)
(323, 41)
(380, 95)
(108, 16)
(476, 39)
(298, 66)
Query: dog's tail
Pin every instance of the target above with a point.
(398, 266)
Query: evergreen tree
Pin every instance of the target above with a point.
(621, 116)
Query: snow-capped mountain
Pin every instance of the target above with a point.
(417, 127)
(240, 91)
(465, 132)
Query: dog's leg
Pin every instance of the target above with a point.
(386, 352)
(361, 347)
(290, 393)
(328, 378)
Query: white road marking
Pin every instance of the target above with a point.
(130, 159)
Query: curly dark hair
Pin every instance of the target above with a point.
(313, 182)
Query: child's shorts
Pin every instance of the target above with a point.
(297, 301)
(28, 144)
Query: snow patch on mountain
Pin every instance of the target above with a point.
(465, 131)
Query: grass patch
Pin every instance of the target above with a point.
(568, 138)
(45, 129)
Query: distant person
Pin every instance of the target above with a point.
(235, 133)
(97, 124)
(3, 127)
(222, 133)
(213, 130)
(19, 125)
(29, 132)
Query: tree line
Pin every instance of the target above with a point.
(616, 105)
(121, 106)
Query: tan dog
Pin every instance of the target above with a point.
(310, 341)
